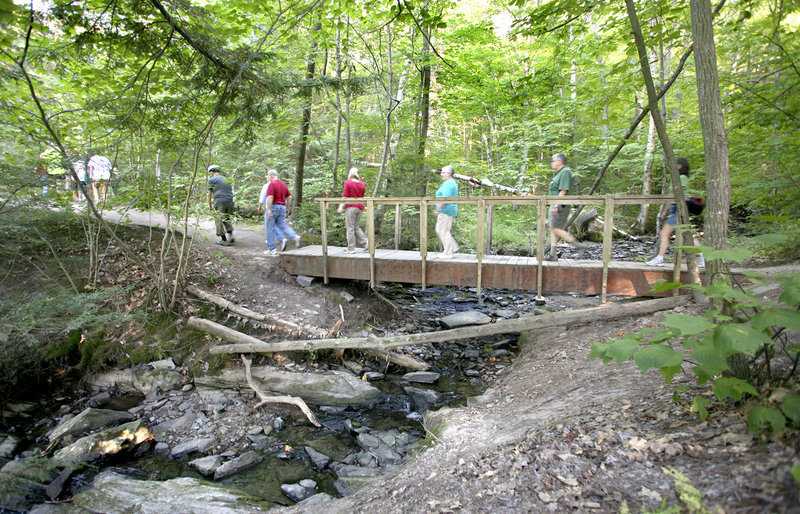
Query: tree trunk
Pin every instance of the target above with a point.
(423, 115)
(306, 124)
(669, 155)
(647, 176)
(248, 344)
(715, 140)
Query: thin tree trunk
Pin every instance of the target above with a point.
(647, 176)
(423, 114)
(306, 123)
(652, 100)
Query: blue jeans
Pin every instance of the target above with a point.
(277, 223)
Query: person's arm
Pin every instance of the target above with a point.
(270, 199)
(210, 196)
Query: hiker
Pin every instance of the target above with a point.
(446, 212)
(671, 222)
(220, 199)
(99, 169)
(354, 187)
(558, 215)
(276, 196)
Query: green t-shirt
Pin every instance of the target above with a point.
(562, 181)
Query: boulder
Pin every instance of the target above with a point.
(421, 377)
(200, 445)
(88, 421)
(423, 398)
(112, 492)
(300, 491)
(238, 464)
(379, 449)
(106, 443)
(9, 446)
(320, 460)
(464, 318)
(334, 388)
(24, 482)
(206, 465)
(142, 381)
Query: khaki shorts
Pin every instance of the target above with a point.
(559, 221)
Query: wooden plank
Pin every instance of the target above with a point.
(608, 235)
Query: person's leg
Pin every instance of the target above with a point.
(444, 224)
(351, 223)
(666, 233)
(271, 229)
(280, 222)
(95, 192)
(361, 238)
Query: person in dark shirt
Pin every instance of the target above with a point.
(220, 200)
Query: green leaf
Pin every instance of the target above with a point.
(760, 416)
(623, 349)
(666, 286)
(729, 387)
(687, 325)
(790, 406)
(777, 318)
(791, 289)
(710, 362)
(775, 239)
(668, 372)
(598, 351)
(736, 338)
(729, 254)
(795, 471)
(699, 405)
(657, 356)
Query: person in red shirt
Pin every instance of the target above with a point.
(353, 188)
(277, 195)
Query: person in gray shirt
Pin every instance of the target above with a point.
(220, 200)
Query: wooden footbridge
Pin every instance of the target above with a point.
(481, 269)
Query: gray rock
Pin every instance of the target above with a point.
(421, 377)
(87, 421)
(106, 443)
(9, 446)
(200, 445)
(320, 460)
(379, 449)
(161, 448)
(299, 492)
(260, 441)
(347, 296)
(304, 281)
(311, 500)
(334, 388)
(423, 398)
(176, 425)
(144, 381)
(460, 319)
(240, 463)
(23, 482)
(499, 353)
(374, 376)
(55, 487)
(471, 353)
(112, 492)
(162, 364)
(206, 465)
(505, 313)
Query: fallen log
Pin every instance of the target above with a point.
(248, 344)
(223, 303)
(405, 361)
(265, 399)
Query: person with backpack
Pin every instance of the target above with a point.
(558, 215)
(671, 222)
(220, 201)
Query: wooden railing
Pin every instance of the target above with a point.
(482, 202)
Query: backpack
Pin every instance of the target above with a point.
(695, 205)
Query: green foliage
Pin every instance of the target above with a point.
(707, 345)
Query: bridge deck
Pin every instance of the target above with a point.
(499, 271)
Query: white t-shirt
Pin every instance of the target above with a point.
(99, 168)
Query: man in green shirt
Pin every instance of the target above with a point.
(558, 214)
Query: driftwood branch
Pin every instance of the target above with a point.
(400, 359)
(244, 343)
(223, 303)
(265, 399)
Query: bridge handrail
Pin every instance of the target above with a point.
(484, 202)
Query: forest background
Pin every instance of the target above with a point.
(396, 88)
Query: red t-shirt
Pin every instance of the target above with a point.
(278, 191)
(354, 189)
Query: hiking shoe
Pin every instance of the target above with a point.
(271, 253)
(348, 250)
(446, 256)
(657, 261)
(222, 242)
(297, 241)
(551, 257)
(231, 240)
(283, 244)
(581, 247)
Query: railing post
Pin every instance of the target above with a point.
(608, 235)
(371, 240)
(323, 207)
(479, 247)
(397, 211)
(423, 239)
(541, 205)
(489, 225)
